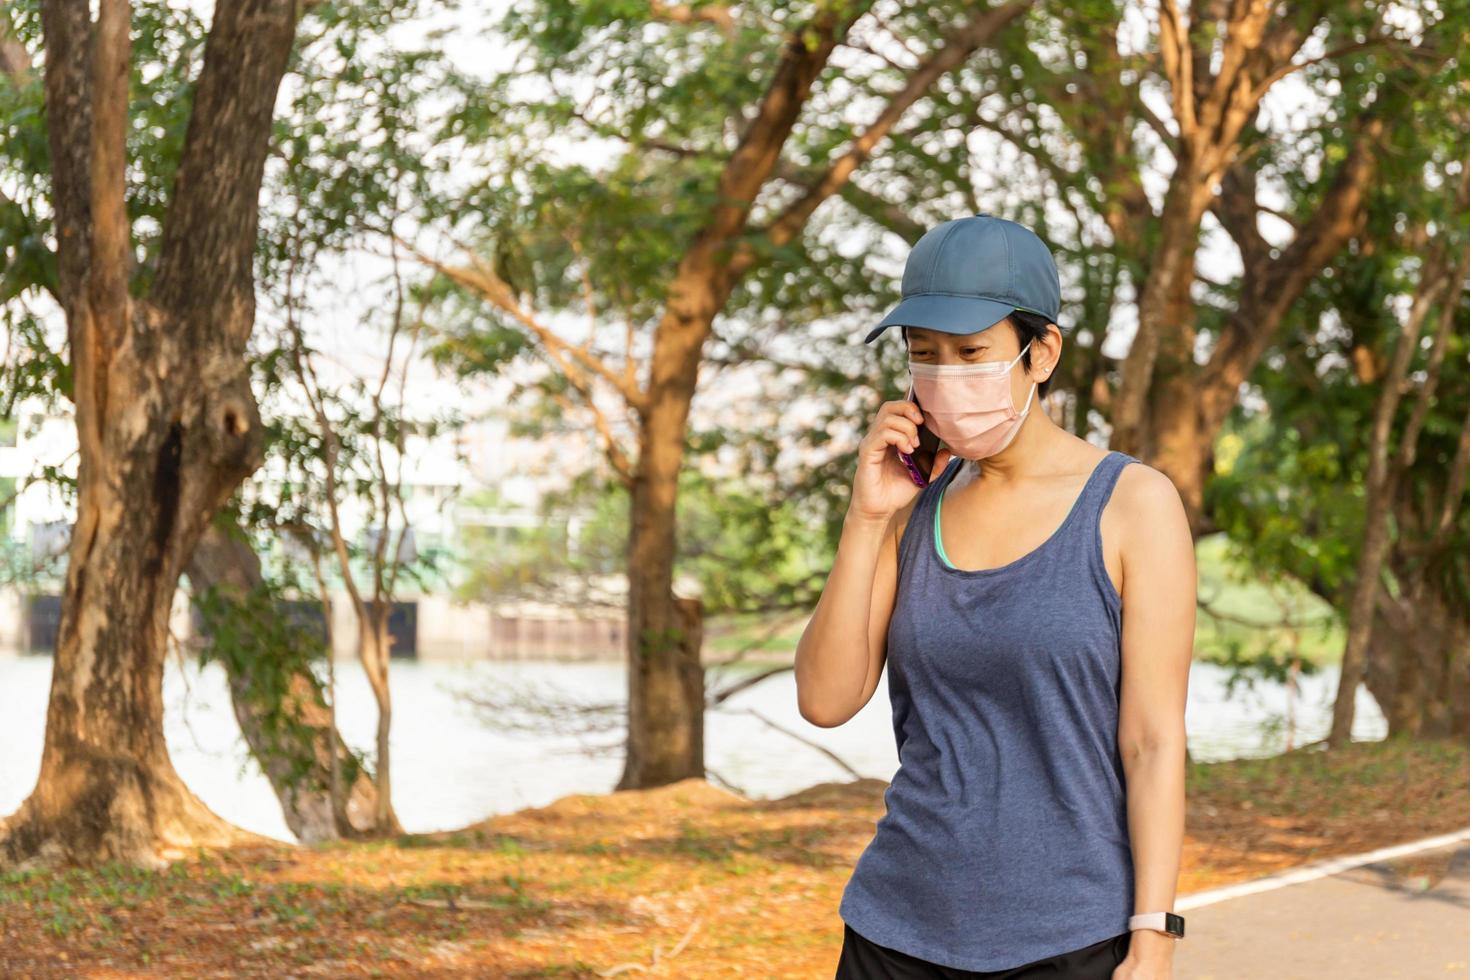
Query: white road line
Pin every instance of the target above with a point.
(1311, 872)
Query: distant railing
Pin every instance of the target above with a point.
(556, 638)
(427, 627)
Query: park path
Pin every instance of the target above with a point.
(1401, 917)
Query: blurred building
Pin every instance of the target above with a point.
(426, 622)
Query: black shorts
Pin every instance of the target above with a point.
(863, 959)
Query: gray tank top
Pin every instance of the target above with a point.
(1006, 834)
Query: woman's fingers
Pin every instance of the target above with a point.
(896, 419)
(905, 432)
(892, 436)
(903, 408)
(896, 424)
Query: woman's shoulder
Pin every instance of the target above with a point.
(1141, 485)
(1146, 502)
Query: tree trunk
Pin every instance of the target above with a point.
(1457, 682)
(1417, 661)
(1419, 651)
(374, 644)
(1171, 272)
(1421, 678)
(107, 788)
(287, 723)
(167, 424)
(1172, 427)
(665, 673)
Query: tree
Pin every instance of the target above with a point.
(328, 173)
(1213, 101)
(1352, 477)
(157, 457)
(1440, 285)
(376, 472)
(1077, 108)
(703, 212)
(287, 715)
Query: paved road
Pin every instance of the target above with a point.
(1394, 919)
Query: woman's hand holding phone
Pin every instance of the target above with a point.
(882, 485)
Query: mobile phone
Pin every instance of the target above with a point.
(920, 463)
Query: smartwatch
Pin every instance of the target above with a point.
(1165, 922)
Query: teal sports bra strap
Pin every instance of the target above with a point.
(939, 538)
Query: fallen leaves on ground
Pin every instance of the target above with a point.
(686, 880)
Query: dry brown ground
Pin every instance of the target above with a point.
(683, 881)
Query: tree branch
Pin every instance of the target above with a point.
(207, 253)
(683, 13)
(983, 25)
(481, 279)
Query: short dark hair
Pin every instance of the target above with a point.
(1027, 326)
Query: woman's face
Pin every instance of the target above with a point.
(997, 342)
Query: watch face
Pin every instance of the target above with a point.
(1174, 924)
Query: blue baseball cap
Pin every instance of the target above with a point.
(968, 274)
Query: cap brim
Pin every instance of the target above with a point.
(947, 314)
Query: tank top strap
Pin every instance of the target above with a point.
(918, 530)
(1099, 488)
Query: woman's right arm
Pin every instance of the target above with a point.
(839, 658)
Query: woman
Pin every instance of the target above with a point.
(1036, 615)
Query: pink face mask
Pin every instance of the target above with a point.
(969, 406)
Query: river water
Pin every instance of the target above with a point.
(452, 768)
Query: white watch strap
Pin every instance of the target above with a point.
(1148, 920)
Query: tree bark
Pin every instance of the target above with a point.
(167, 423)
(1170, 273)
(297, 758)
(1417, 660)
(374, 645)
(1172, 431)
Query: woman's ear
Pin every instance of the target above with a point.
(1053, 337)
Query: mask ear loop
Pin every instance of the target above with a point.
(1018, 356)
(1030, 394)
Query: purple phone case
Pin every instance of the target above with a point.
(915, 473)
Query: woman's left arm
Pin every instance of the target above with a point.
(1159, 581)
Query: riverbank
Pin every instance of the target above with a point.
(687, 880)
